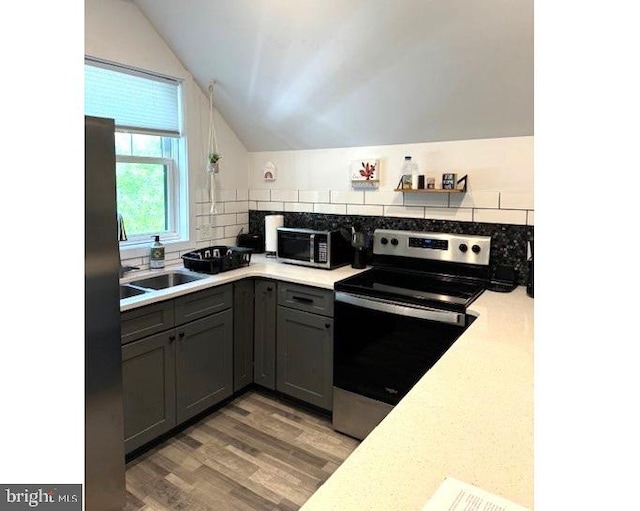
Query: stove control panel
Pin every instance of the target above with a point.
(431, 243)
(459, 248)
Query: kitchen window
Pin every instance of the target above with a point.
(151, 178)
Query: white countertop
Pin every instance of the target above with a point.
(470, 417)
(261, 266)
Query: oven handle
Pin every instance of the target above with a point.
(401, 309)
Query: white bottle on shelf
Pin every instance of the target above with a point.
(411, 167)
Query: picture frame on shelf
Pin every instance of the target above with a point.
(365, 173)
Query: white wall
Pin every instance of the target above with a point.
(500, 170)
(500, 188)
(116, 30)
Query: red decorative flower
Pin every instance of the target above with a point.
(368, 170)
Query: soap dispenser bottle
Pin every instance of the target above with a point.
(156, 254)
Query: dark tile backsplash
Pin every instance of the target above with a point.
(508, 242)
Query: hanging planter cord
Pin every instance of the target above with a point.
(212, 169)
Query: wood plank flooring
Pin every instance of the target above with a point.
(257, 453)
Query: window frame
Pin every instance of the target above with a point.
(172, 232)
(178, 212)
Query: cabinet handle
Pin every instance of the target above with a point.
(302, 299)
(181, 335)
(327, 325)
(172, 338)
(269, 288)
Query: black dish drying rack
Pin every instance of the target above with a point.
(217, 258)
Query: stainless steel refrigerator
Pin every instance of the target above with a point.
(104, 434)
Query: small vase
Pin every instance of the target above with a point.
(213, 168)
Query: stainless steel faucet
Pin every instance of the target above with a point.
(122, 236)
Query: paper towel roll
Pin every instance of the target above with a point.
(271, 223)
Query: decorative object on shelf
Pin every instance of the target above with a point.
(448, 181)
(213, 156)
(404, 184)
(421, 182)
(365, 173)
(459, 186)
(269, 171)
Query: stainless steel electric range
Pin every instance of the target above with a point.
(394, 321)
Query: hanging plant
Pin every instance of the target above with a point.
(213, 165)
(213, 156)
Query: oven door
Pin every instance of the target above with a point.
(381, 349)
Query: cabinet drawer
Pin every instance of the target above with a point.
(305, 298)
(138, 323)
(202, 303)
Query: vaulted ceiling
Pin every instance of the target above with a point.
(307, 74)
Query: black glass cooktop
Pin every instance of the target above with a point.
(425, 289)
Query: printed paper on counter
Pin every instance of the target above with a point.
(454, 495)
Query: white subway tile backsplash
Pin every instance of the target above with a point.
(270, 206)
(260, 195)
(225, 195)
(229, 241)
(484, 199)
(355, 209)
(330, 209)
(217, 232)
(516, 200)
(236, 207)
(454, 214)
(530, 220)
(298, 207)
(347, 197)
(284, 195)
(242, 194)
(222, 220)
(314, 196)
(403, 211)
(242, 218)
(435, 200)
(233, 230)
(253, 205)
(383, 198)
(500, 216)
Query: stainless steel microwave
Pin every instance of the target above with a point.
(308, 247)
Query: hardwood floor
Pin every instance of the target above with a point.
(256, 453)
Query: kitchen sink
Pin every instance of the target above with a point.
(128, 291)
(166, 280)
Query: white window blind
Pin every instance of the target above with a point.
(137, 101)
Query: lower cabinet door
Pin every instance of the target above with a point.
(264, 340)
(305, 356)
(148, 389)
(204, 363)
(242, 334)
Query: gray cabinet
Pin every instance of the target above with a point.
(242, 334)
(305, 344)
(264, 347)
(148, 369)
(177, 360)
(204, 364)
